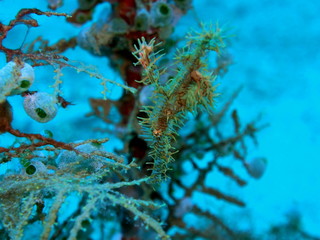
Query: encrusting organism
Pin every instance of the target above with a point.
(15, 78)
(40, 106)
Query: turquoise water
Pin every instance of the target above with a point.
(276, 60)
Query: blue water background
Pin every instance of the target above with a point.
(276, 59)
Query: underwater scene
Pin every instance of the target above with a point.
(159, 119)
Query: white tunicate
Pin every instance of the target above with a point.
(142, 19)
(36, 166)
(161, 14)
(256, 167)
(40, 106)
(118, 26)
(85, 39)
(15, 79)
(75, 162)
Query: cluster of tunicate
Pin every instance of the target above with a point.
(162, 14)
(92, 37)
(74, 162)
(16, 78)
(35, 166)
(142, 20)
(118, 26)
(127, 22)
(85, 40)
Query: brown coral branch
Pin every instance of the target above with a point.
(22, 18)
(214, 192)
(214, 218)
(230, 173)
(32, 137)
(59, 47)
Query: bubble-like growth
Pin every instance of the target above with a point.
(40, 106)
(118, 26)
(84, 40)
(256, 167)
(34, 167)
(76, 163)
(161, 14)
(142, 19)
(15, 79)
